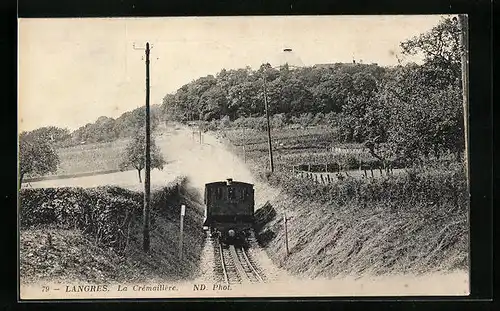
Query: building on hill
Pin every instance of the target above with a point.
(333, 65)
(287, 57)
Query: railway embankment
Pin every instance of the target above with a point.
(95, 234)
(412, 224)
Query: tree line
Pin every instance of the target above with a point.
(412, 111)
(104, 129)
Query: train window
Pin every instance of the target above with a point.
(218, 193)
(230, 193)
(243, 193)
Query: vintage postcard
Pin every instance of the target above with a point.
(270, 156)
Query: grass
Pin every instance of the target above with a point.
(409, 224)
(91, 157)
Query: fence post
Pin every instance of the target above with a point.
(183, 211)
(286, 234)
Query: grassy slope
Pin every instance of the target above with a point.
(327, 240)
(91, 157)
(331, 238)
(74, 256)
(94, 157)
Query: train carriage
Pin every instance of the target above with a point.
(229, 212)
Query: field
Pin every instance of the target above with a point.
(314, 149)
(94, 165)
(91, 157)
(288, 144)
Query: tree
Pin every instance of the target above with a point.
(441, 49)
(36, 156)
(421, 120)
(136, 151)
(52, 134)
(331, 92)
(353, 125)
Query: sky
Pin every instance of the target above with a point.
(72, 71)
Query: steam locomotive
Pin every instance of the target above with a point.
(229, 212)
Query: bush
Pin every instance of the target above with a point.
(439, 188)
(278, 120)
(103, 213)
(224, 122)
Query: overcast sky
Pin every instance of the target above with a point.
(71, 71)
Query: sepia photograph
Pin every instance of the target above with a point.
(243, 156)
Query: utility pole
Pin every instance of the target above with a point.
(268, 126)
(464, 47)
(147, 178)
(244, 149)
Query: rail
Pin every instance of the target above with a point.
(224, 271)
(248, 267)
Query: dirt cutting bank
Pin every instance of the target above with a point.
(413, 228)
(95, 234)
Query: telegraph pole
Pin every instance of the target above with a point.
(147, 179)
(244, 145)
(268, 127)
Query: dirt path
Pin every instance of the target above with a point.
(208, 162)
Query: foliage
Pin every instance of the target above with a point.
(106, 129)
(441, 50)
(104, 214)
(134, 155)
(52, 134)
(36, 155)
(240, 93)
(437, 187)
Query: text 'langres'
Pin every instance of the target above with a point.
(86, 288)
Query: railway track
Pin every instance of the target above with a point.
(247, 266)
(234, 266)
